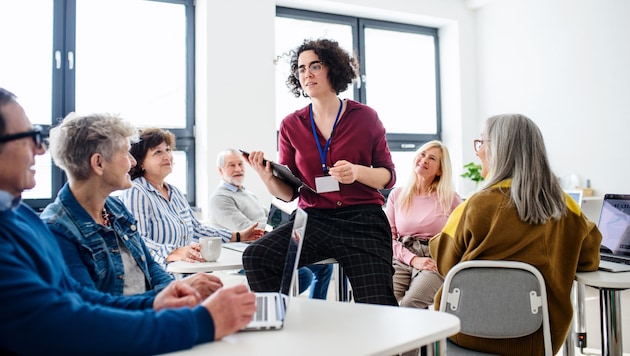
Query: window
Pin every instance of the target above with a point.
(98, 59)
(399, 74)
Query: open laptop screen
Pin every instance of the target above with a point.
(277, 216)
(614, 224)
(293, 252)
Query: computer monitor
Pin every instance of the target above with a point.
(576, 194)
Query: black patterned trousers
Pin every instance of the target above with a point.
(358, 237)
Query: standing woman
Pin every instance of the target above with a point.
(339, 148)
(165, 220)
(416, 213)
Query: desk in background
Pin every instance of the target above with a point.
(229, 259)
(318, 327)
(610, 286)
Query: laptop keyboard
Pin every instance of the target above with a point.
(615, 259)
(262, 309)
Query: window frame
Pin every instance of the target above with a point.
(63, 91)
(397, 141)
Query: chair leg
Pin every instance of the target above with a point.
(580, 326)
(343, 292)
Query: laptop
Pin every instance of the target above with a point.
(277, 216)
(614, 224)
(271, 307)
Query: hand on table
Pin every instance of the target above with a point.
(251, 233)
(231, 308)
(190, 253)
(176, 294)
(205, 284)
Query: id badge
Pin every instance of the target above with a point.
(326, 184)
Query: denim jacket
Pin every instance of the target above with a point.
(91, 250)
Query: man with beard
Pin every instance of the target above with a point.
(232, 206)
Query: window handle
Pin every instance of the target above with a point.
(58, 59)
(70, 60)
(360, 80)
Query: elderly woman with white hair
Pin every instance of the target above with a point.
(520, 214)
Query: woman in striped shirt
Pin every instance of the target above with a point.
(165, 220)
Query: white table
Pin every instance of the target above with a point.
(229, 259)
(232, 259)
(318, 327)
(610, 286)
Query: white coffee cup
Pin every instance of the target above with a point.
(210, 248)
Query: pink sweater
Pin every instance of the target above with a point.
(424, 219)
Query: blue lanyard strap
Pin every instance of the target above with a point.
(322, 154)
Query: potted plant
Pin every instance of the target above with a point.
(473, 172)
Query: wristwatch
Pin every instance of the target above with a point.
(238, 236)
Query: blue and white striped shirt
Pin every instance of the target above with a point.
(165, 225)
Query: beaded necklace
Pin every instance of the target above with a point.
(106, 221)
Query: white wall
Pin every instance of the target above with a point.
(235, 85)
(563, 63)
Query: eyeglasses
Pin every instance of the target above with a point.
(36, 134)
(314, 67)
(478, 143)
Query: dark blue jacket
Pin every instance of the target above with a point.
(91, 250)
(43, 310)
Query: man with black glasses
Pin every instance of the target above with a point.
(43, 310)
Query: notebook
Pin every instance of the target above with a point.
(283, 173)
(271, 307)
(614, 224)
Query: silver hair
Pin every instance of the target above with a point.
(222, 154)
(515, 149)
(77, 138)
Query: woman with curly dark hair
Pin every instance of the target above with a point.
(339, 148)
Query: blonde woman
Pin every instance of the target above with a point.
(417, 211)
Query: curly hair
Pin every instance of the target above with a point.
(149, 138)
(342, 68)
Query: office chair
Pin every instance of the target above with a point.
(496, 299)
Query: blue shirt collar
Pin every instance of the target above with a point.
(231, 187)
(9, 201)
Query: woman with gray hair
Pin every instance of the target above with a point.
(521, 214)
(97, 234)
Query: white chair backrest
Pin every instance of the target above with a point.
(497, 299)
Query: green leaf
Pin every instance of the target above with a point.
(473, 172)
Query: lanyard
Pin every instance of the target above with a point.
(322, 154)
